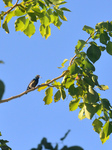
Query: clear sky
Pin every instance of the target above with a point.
(26, 120)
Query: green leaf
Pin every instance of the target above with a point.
(97, 124)
(63, 93)
(58, 23)
(60, 13)
(9, 16)
(57, 96)
(65, 9)
(8, 3)
(48, 32)
(107, 128)
(109, 48)
(95, 79)
(73, 105)
(74, 69)
(104, 37)
(80, 45)
(102, 48)
(48, 98)
(103, 87)
(30, 30)
(88, 80)
(78, 91)
(20, 24)
(65, 60)
(56, 84)
(74, 148)
(106, 103)
(45, 21)
(89, 111)
(32, 16)
(93, 53)
(5, 27)
(42, 30)
(67, 81)
(99, 111)
(2, 89)
(42, 88)
(103, 137)
(88, 29)
(18, 12)
(65, 135)
(92, 95)
(88, 66)
(82, 114)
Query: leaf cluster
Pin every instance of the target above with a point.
(81, 82)
(30, 11)
(44, 144)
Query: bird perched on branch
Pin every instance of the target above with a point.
(33, 82)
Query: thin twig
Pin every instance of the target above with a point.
(11, 8)
(76, 54)
(25, 92)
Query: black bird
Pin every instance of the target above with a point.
(33, 82)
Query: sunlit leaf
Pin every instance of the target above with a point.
(57, 96)
(42, 88)
(65, 9)
(103, 137)
(73, 105)
(82, 114)
(48, 98)
(107, 128)
(80, 45)
(30, 30)
(103, 87)
(63, 93)
(74, 69)
(97, 124)
(48, 32)
(8, 3)
(89, 111)
(88, 29)
(65, 60)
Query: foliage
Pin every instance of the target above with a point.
(3, 144)
(81, 82)
(30, 11)
(79, 79)
(48, 146)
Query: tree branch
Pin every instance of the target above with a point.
(11, 8)
(46, 84)
(76, 54)
(25, 92)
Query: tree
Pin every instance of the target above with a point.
(79, 78)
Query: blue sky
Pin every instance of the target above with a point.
(26, 120)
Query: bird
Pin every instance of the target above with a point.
(33, 82)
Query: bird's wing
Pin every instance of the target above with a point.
(31, 84)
